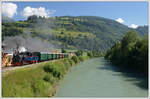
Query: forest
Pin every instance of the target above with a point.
(130, 53)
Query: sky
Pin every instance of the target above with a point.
(132, 14)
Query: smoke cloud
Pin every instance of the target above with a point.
(30, 43)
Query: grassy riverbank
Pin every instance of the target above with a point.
(37, 81)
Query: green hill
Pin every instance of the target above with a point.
(81, 32)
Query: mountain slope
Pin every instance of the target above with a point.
(81, 32)
(142, 30)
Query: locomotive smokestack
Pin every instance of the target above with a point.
(22, 49)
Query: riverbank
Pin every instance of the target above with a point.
(40, 80)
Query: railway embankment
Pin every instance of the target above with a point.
(39, 80)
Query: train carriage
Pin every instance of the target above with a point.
(57, 56)
(50, 56)
(60, 56)
(65, 55)
(44, 56)
(53, 56)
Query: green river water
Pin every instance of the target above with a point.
(98, 78)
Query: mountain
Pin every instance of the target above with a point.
(142, 30)
(80, 32)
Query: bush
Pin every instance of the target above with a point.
(75, 59)
(81, 58)
(54, 69)
(49, 78)
(71, 62)
(79, 53)
(41, 88)
(67, 63)
(63, 50)
(90, 54)
(48, 68)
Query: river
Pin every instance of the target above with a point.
(98, 78)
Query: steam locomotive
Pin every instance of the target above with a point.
(34, 57)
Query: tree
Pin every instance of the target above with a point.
(90, 54)
(79, 53)
(32, 18)
(63, 50)
(130, 37)
(131, 53)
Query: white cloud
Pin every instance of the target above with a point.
(9, 9)
(120, 20)
(134, 26)
(41, 11)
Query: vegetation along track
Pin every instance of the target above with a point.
(36, 80)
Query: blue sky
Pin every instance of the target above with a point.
(130, 12)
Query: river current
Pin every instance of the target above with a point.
(98, 78)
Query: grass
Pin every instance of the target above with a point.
(39, 80)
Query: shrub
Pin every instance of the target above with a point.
(71, 62)
(66, 64)
(41, 88)
(49, 78)
(63, 50)
(90, 54)
(48, 68)
(81, 58)
(57, 72)
(75, 59)
(54, 69)
(79, 53)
